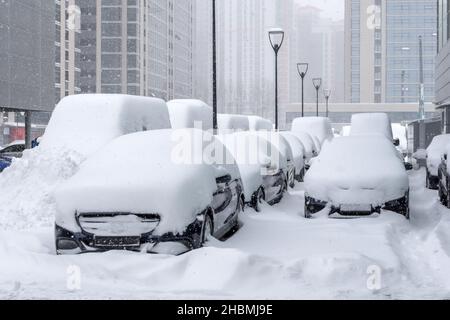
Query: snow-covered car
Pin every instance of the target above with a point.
(285, 152)
(358, 175)
(260, 167)
(434, 155)
(311, 150)
(190, 113)
(156, 191)
(298, 153)
(9, 152)
(319, 127)
(14, 149)
(259, 124)
(228, 123)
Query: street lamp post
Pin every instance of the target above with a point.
(422, 82)
(214, 66)
(317, 82)
(276, 37)
(327, 94)
(302, 69)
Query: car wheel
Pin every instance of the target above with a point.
(207, 229)
(308, 214)
(258, 199)
(404, 207)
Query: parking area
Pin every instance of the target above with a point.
(276, 254)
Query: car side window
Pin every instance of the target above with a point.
(222, 199)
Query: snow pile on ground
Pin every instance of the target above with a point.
(315, 126)
(438, 147)
(277, 254)
(80, 126)
(190, 113)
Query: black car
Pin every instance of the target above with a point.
(444, 183)
(151, 204)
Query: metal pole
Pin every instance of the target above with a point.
(214, 53)
(303, 97)
(28, 129)
(327, 106)
(403, 86)
(276, 90)
(422, 85)
(317, 102)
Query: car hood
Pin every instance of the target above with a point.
(137, 174)
(345, 172)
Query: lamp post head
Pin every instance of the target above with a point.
(317, 82)
(276, 37)
(327, 93)
(302, 69)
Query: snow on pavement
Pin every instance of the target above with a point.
(277, 254)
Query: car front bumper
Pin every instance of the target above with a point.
(314, 206)
(69, 243)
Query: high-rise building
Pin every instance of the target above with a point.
(67, 55)
(202, 80)
(137, 47)
(27, 60)
(382, 56)
(243, 53)
(27, 31)
(443, 58)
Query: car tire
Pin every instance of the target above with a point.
(258, 198)
(404, 208)
(207, 229)
(308, 214)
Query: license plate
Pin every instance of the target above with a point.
(117, 242)
(356, 208)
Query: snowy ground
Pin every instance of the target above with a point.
(277, 254)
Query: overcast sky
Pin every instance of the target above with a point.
(331, 8)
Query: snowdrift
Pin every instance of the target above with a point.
(80, 126)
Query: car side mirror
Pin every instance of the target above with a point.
(397, 142)
(224, 179)
(408, 166)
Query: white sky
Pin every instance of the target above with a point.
(331, 8)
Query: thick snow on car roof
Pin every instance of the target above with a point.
(371, 123)
(85, 123)
(190, 113)
(165, 172)
(231, 122)
(259, 124)
(315, 126)
(358, 169)
(438, 147)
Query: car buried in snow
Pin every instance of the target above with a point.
(357, 176)
(156, 192)
(260, 166)
(434, 156)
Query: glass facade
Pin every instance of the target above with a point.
(406, 20)
(355, 51)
